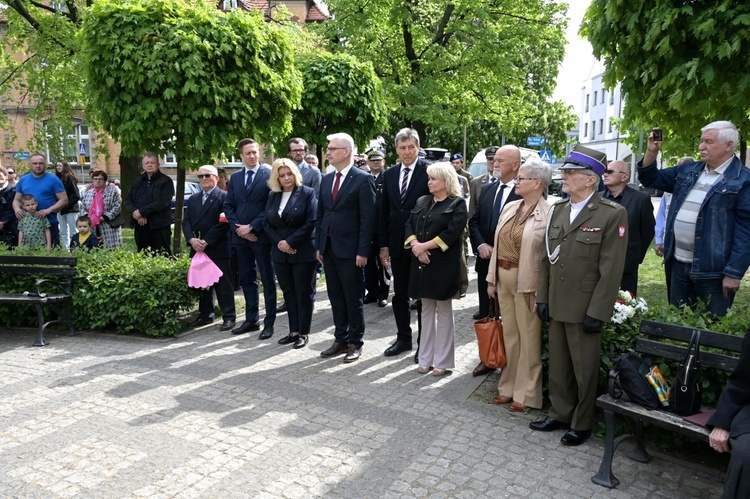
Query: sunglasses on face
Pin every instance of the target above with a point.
(204, 175)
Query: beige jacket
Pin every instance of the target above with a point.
(531, 245)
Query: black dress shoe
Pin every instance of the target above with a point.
(481, 370)
(301, 341)
(370, 299)
(246, 327)
(227, 325)
(382, 303)
(353, 353)
(413, 305)
(266, 333)
(281, 308)
(290, 338)
(201, 321)
(335, 349)
(397, 348)
(575, 437)
(549, 424)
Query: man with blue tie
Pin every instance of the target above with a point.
(245, 208)
(205, 233)
(343, 233)
(483, 222)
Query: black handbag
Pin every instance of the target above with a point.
(686, 392)
(628, 375)
(118, 221)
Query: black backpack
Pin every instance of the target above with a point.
(628, 374)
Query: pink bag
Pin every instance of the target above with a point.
(203, 272)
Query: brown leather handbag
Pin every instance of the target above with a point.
(490, 338)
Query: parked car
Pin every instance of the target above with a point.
(190, 189)
(555, 187)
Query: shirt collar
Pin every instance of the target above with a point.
(411, 166)
(720, 170)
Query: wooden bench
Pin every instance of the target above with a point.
(53, 290)
(649, 348)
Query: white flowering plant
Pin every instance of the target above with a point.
(627, 306)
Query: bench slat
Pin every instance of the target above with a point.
(31, 270)
(662, 419)
(683, 333)
(708, 359)
(38, 260)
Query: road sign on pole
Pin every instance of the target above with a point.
(536, 141)
(546, 155)
(82, 149)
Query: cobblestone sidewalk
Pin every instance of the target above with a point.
(215, 415)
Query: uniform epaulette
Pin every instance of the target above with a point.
(608, 202)
(561, 201)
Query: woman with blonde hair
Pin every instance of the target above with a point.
(290, 225)
(433, 233)
(514, 267)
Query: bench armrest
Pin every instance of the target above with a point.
(64, 286)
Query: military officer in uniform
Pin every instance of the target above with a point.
(579, 276)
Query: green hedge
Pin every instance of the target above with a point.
(117, 290)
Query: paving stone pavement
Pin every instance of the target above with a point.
(216, 415)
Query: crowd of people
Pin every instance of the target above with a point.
(407, 227)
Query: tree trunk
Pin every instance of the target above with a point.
(130, 168)
(178, 209)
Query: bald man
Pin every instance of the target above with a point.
(641, 221)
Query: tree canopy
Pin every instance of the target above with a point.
(681, 64)
(455, 61)
(340, 94)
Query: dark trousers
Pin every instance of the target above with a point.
(344, 285)
(401, 267)
(224, 292)
(629, 282)
(157, 240)
(737, 481)
(483, 267)
(54, 234)
(685, 289)
(668, 276)
(297, 282)
(248, 256)
(377, 280)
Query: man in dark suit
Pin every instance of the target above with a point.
(206, 233)
(483, 222)
(403, 184)
(311, 176)
(641, 220)
(343, 232)
(377, 278)
(245, 209)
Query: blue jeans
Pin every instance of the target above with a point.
(686, 290)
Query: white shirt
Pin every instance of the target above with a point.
(401, 175)
(344, 173)
(575, 208)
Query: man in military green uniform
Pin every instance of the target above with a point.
(579, 276)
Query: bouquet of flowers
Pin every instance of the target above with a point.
(627, 306)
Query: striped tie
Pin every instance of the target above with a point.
(404, 182)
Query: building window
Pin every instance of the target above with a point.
(601, 126)
(71, 144)
(610, 127)
(611, 98)
(585, 129)
(593, 129)
(595, 95)
(229, 4)
(587, 102)
(603, 96)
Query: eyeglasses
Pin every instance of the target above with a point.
(204, 175)
(610, 172)
(336, 148)
(518, 179)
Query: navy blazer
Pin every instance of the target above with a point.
(351, 219)
(393, 212)
(202, 221)
(242, 208)
(480, 230)
(641, 225)
(295, 225)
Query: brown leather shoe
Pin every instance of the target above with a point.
(353, 353)
(501, 399)
(516, 407)
(481, 370)
(334, 350)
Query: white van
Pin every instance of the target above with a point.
(478, 165)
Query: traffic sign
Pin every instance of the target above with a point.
(21, 156)
(536, 141)
(82, 149)
(546, 155)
